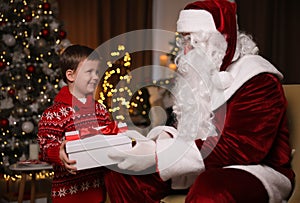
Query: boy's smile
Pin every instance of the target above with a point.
(86, 78)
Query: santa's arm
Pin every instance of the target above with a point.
(251, 124)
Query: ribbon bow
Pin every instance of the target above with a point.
(112, 129)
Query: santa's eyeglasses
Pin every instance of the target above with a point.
(183, 40)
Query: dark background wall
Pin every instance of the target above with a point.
(273, 24)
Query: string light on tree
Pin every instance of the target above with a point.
(175, 49)
(115, 93)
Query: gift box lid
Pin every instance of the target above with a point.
(97, 141)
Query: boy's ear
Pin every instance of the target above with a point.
(70, 75)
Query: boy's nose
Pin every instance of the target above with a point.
(96, 76)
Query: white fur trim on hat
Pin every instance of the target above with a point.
(195, 21)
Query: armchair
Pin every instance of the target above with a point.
(292, 93)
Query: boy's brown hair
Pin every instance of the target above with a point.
(72, 56)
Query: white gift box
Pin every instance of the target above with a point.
(93, 151)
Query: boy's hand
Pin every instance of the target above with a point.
(65, 160)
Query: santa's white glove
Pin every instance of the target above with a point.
(140, 157)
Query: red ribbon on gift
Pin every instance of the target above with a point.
(112, 129)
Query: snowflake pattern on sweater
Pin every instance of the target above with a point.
(68, 114)
(74, 189)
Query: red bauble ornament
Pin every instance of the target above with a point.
(2, 65)
(30, 69)
(11, 92)
(26, 8)
(46, 6)
(28, 18)
(45, 32)
(2, 23)
(4, 122)
(62, 34)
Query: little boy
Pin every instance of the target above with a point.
(74, 108)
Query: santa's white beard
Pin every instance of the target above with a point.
(192, 94)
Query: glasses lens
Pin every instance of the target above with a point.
(183, 40)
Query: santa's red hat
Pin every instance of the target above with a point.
(212, 15)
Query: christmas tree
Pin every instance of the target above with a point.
(116, 93)
(175, 48)
(31, 39)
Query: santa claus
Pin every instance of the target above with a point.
(231, 143)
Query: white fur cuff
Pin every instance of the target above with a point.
(179, 160)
